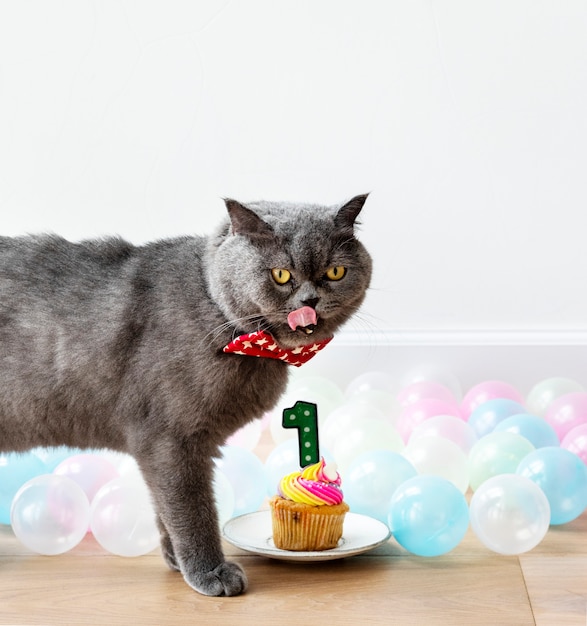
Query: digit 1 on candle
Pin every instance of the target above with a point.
(304, 417)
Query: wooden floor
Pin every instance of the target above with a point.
(471, 585)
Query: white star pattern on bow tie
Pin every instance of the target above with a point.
(254, 344)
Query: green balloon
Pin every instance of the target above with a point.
(496, 453)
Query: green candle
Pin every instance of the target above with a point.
(304, 417)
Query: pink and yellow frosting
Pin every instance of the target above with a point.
(317, 484)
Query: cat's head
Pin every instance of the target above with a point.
(277, 266)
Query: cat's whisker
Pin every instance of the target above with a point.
(368, 329)
(232, 324)
(369, 324)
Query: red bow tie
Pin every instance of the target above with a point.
(262, 344)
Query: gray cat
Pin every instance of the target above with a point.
(106, 344)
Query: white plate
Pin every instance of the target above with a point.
(253, 532)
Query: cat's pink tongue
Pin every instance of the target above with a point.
(302, 317)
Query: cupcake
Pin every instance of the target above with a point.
(309, 511)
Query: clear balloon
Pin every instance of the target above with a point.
(575, 441)
(282, 460)
(15, 470)
(425, 390)
(246, 474)
(509, 514)
(223, 496)
(50, 514)
(488, 415)
(363, 436)
(122, 518)
(428, 515)
(89, 471)
(494, 454)
(266, 421)
(437, 456)
(317, 389)
(371, 481)
(51, 457)
(489, 390)
(307, 385)
(342, 419)
(124, 464)
(562, 476)
(380, 401)
(246, 437)
(434, 373)
(544, 393)
(566, 412)
(414, 414)
(370, 381)
(535, 429)
(449, 427)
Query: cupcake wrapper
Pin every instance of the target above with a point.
(306, 530)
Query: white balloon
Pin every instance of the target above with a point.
(282, 460)
(362, 436)
(382, 401)
(544, 393)
(436, 373)
(224, 496)
(123, 519)
(342, 419)
(50, 514)
(449, 427)
(370, 381)
(509, 514)
(438, 456)
(124, 463)
(248, 436)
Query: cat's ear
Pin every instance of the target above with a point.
(348, 213)
(246, 222)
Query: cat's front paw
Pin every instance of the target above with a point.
(228, 579)
(169, 556)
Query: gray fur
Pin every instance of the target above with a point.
(106, 344)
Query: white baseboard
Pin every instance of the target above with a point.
(519, 357)
(478, 337)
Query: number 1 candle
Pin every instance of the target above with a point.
(304, 417)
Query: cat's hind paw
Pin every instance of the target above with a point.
(228, 579)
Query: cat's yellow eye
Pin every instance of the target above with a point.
(336, 273)
(281, 276)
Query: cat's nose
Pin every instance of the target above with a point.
(311, 302)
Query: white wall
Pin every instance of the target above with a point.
(465, 118)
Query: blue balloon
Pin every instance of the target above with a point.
(562, 476)
(15, 470)
(535, 429)
(428, 515)
(371, 481)
(246, 474)
(488, 415)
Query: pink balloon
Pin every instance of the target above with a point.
(488, 390)
(448, 427)
(575, 441)
(89, 471)
(424, 390)
(414, 414)
(567, 412)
